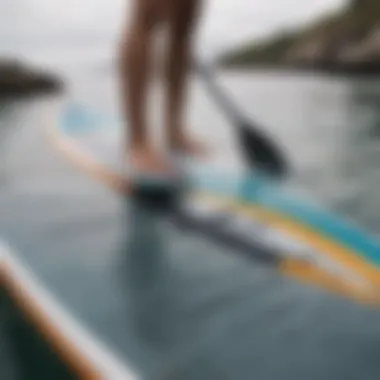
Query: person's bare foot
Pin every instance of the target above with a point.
(146, 159)
(189, 146)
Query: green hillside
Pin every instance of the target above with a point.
(348, 39)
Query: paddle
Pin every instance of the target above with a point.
(259, 151)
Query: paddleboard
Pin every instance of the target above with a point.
(258, 216)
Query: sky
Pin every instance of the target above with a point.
(224, 22)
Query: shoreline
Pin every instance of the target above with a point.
(20, 79)
(329, 71)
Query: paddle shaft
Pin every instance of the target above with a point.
(227, 106)
(259, 150)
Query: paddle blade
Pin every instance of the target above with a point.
(260, 152)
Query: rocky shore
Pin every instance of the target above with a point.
(18, 79)
(347, 41)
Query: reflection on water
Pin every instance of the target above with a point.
(363, 147)
(10, 113)
(147, 273)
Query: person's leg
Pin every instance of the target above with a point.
(182, 17)
(135, 68)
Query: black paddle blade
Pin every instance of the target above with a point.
(260, 152)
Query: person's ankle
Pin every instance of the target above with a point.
(140, 145)
(175, 138)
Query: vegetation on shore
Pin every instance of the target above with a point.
(348, 40)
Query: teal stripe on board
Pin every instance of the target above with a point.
(78, 119)
(274, 198)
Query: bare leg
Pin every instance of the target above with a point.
(182, 16)
(135, 69)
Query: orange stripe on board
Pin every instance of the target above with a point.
(87, 162)
(326, 246)
(309, 274)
